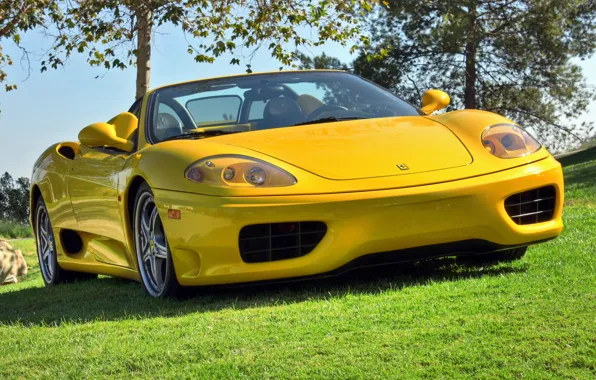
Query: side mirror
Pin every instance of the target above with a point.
(116, 133)
(434, 100)
(104, 134)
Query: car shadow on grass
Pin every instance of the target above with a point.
(111, 299)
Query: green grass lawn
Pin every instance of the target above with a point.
(535, 318)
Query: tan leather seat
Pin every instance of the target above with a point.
(309, 103)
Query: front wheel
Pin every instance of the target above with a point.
(154, 259)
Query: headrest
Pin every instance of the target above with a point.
(125, 125)
(281, 106)
(264, 93)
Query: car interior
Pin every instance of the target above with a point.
(261, 108)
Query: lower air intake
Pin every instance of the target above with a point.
(532, 206)
(279, 241)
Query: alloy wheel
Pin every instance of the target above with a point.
(151, 245)
(46, 249)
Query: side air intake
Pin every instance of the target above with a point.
(532, 206)
(279, 241)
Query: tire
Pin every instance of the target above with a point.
(154, 259)
(45, 241)
(494, 257)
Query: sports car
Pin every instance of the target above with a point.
(287, 175)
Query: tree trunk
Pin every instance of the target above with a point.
(144, 25)
(471, 74)
(470, 90)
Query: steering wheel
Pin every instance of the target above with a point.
(321, 110)
(167, 126)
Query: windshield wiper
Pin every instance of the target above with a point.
(200, 135)
(329, 120)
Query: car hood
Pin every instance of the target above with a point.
(360, 149)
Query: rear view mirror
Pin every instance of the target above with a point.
(224, 109)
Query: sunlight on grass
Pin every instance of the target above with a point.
(533, 318)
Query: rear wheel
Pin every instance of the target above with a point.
(494, 257)
(51, 272)
(154, 259)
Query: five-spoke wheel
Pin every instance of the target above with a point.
(46, 247)
(153, 256)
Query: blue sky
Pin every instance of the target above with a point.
(56, 105)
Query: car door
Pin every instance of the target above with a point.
(93, 189)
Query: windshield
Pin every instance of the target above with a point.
(266, 101)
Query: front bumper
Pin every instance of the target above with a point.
(204, 241)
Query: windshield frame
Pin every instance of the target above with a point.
(153, 96)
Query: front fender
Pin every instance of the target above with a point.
(468, 126)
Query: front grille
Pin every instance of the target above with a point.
(532, 206)
(279, 241)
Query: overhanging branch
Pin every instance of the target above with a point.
(528, 113)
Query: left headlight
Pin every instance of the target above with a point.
(508, 141)
(238, 171)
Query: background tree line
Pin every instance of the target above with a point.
(14, 199)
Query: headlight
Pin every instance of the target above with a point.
(238, 171)
(508, 141)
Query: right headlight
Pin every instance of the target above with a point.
(238, 171)
(508, 141)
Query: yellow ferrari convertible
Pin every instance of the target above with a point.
(287, 175)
